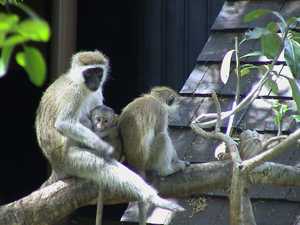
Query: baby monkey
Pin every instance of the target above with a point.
(104, 122)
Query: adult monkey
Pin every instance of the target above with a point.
(147, 145)
(64, 108)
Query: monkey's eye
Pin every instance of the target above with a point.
(98, 119)
(88, 73)
(105, 120)
(99, 72)
(170, 100)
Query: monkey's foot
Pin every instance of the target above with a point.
(187, 163)
(165, 204)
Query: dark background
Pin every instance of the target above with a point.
(149, 43)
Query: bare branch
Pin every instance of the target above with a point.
(218, 110)
(259, 159)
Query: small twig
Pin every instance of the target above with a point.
(259, 159)
(271, 140)
(218, 109)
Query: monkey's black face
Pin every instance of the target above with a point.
(93, 78)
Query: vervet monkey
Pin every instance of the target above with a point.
(144, 127)
(64, 108)
(104, 122)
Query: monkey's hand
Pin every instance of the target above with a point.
(105, 150)
(108, 153)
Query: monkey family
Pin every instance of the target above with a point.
(65, 121)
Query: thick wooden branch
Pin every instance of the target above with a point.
(50, 204)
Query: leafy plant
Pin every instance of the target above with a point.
(13, 32)
(276, 38)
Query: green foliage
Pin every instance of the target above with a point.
(275, 38)
(255, 14)
(15, 32)
(225, 66)
(292, 56)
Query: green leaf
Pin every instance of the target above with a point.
(3, 2)
(245, 71)
(273, 85)
(225, 66)
(20, 58)
(271, 45)
(295, 92)
(295, 36)
(297, 118)
(277, 120)
(34, 29)
(2, 37)
(257, 33)
(279, 16)
(256, 53)
(292, 56)
(294, 20)
(5, 58)
(33, 62)
(255, 14)
(7, 21)
(273, 27)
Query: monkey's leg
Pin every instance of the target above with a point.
(166, 156)
(85, 163)
(100, 205)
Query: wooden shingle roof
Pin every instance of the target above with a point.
(272, 205)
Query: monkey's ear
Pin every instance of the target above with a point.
(116, 119)
(170, 100)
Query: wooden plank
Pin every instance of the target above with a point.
(284, 88)
(272, 192)
(247, 82)
(293, 195)
(260, 116)
(257, 116)
(196, 34)
(208, 106)
(210, 81)
(195, 77)
(271, 212)
(201, 150)
(221, 42)
(290, 9)
(173, 45)
(211, 213)
(233, 13)
(287, 123)
(182, 140)
(185, 112)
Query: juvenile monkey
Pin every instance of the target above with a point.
(144, 127)
(63, 127)
(104, 122)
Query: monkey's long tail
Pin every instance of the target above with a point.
(126, 180)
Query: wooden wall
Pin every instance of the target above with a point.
(149, 43)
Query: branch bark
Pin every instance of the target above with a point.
(52, 203)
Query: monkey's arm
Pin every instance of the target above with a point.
(76, 131)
